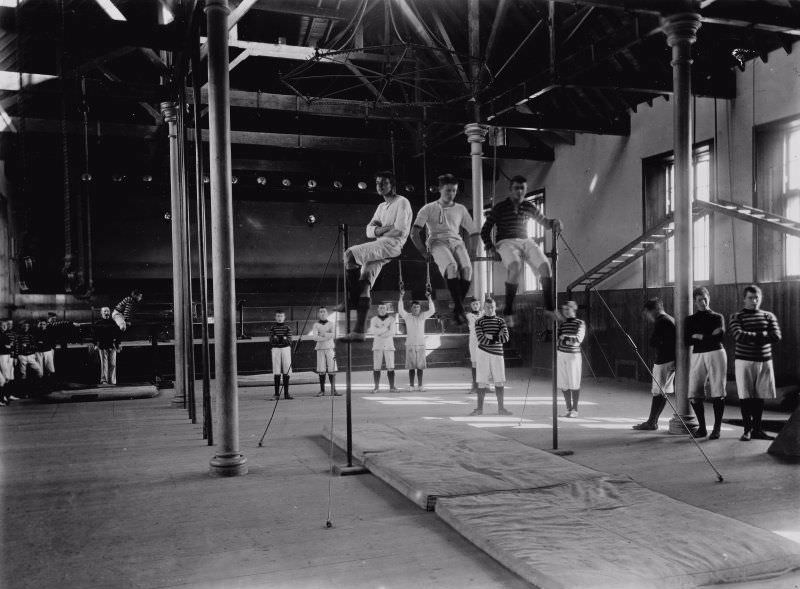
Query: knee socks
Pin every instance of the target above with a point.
(376, 378)
(481, 396)
(747, 415)
(277, 380)
(361, 314)
(454, 286)
(465, 284)
(411, 374)
(511, 292)
(567, 399)
(322, 383)
(419, 377)
(576, 395)
(719, 410)
(474, 378)
(390, 375)
(285, 386)
(332, 380)
(500, 392)
(547, 292)
(700, 413)
(757, 411)
(656, 407)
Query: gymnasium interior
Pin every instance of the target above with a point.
(217, 159)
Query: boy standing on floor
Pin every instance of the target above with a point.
(6, 362)
(280, 339)
(324, 333)
(415, 338)
(382, 328)
(709, 362)
(571, 332)
(754, 332)
(106, 335)
(492, 333)
(475, 312)
(663, 341)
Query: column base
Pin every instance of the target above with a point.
(676, 427)
(228, 465)
(347, 471)
(177, 401)
(561, 452)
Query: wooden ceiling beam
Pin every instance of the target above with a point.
(292, 7)
(621, 125)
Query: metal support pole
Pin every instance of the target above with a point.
(170, 112)
(228, 461)
(202, 251)
(476, 135)
(188, 322)
(681, 30)
(554, 266)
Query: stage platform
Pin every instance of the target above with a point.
(558, 524)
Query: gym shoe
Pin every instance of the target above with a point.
(714, 434)
(336, 394)
(567, 414)
(411, 388)
(646, 426)
(321, 394)
(476, 412)
(761, 435)
(573, 413)
(288, 397)
(375, 390)
(394, 390)
(745, 437)
(700, 433)
(504, 412)
(421, 389)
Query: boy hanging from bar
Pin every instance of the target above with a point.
(382, 327)
(443, 221)
(280, 340)
(389, 228)
(515, 247)
(571, 332)
(324, 333)
(474, 313)
(416, 361)
(492, 333)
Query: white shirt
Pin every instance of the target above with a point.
(323, 335)
(471, 319)
(396, 213)
(383, 330)
(444, 222)
(415, 326)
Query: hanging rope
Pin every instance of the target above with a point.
(329, 520)
(423, 140)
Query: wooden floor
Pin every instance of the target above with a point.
(116, 494)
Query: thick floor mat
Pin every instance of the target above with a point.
(426, 463)
(607, 533)
(104, 393)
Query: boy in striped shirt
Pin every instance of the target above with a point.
(416, 361)
(382, 328)
(515, 246)
(280, 340)
(754, 332)
(571, 332)
(123, 311)
(492, 333)
(475, 312)
(324, 332)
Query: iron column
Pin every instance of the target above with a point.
(681, 30)
(228, 461)
(476, 135)
(170, 112)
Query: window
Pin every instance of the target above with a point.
(529, 280)
(791, 250)
(701, 238)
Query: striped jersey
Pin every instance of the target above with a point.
(511, 221)
(383, 332)
(754, 332)
(126, 306)
(25, 343)
(280, 335)
(492, 333)
(575, 330)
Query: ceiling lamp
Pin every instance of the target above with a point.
(206, 179)
(86, 177)
(147, 178)
(262, 181)
(118, 178)
(234, 179)
(286, 183)
(312, 184)
(409, 188)
(337, 184)
(362, 185)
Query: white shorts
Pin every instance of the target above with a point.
(491, 368)
(568, 371)
(374, 255)
(754, 380)
(29, 361)
(381, 356)
(711, 367)
(45, 359)
(473, 351)
(7, 367)
(520, 250)
(119, 319)
(326, 361)
(415, 358)
(282, 360)
(446, 252)
(663, 377)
